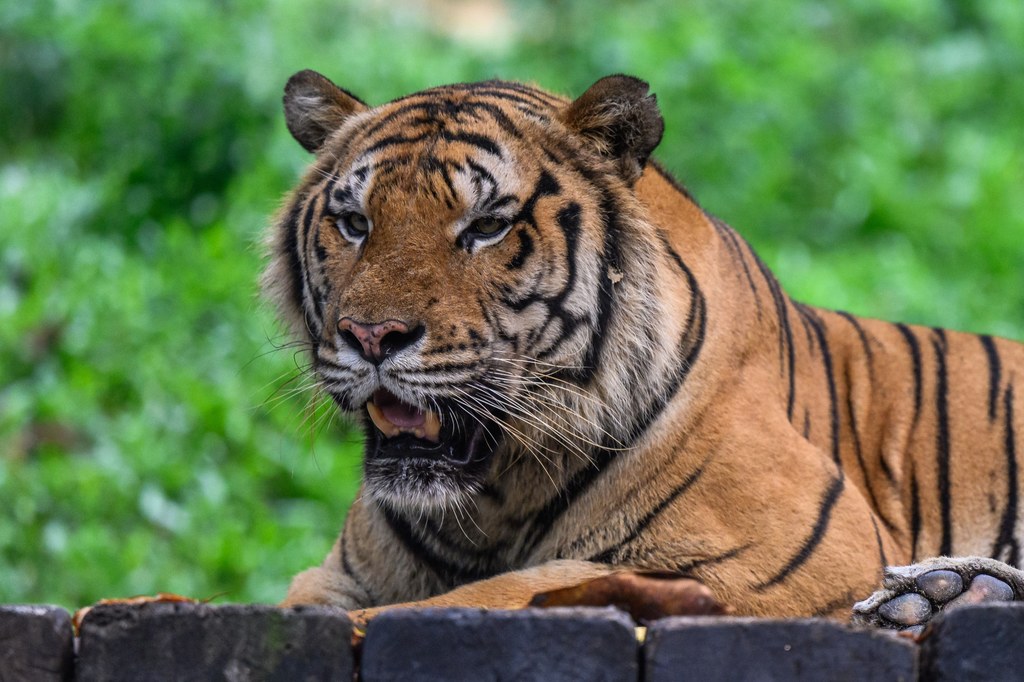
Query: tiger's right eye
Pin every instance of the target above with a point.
(353, 226)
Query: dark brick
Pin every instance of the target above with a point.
(36, 643)
(711, 649)
(471, 644)
(174, 641)
(980, 642)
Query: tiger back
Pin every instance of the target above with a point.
(563, 366)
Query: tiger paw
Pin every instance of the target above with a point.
(912, 595)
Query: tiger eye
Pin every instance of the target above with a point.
(487, 226)
(357, 223)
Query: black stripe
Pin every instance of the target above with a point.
(499, 116)
(561, 501)
(828, 503)
(785, 333)
(421, 107)
(864, 342)
(826, 356)
(881, 548)
(886, 469)
(733, 241)
(671, 179)
(541, 97)
(439, 110)
(500, 202)
(915, 356)
(860, 455)
(433, 164)
(393, 140)
(524, 252)
(339, 195)
(522, 104)
(291, 228)
(691, 342)
(302, 244)
(568, 219)
(689, 566)
(346, 566)
(483, 176)
(942, 444)
(449, 572)
(915, 512)
(609, 215)
(493, 493)
(474, 140)
(1007, 540)
(993, 374)
(806, 323)
(614, 553)
(869, 355)
(528, 97)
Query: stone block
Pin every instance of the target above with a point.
(982, 642)
(36, 644)
(472, 644)
(179, 641)
(713, 649)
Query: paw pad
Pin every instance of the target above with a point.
(906, 609)
(912, 595)
(936, 591)
(984, 588)
(940, 586)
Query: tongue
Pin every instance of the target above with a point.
(398, 413)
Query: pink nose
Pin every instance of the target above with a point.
(376, 341)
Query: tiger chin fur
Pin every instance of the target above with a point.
(620, 380)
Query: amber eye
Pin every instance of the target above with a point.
(353, 226)
(487, 227)
(483, 232)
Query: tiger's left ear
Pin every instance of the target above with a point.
(314, 107)
(620, 119)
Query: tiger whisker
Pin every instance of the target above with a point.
(551, 401)
(521, 411)
(517, 435)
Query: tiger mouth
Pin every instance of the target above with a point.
(401, 431)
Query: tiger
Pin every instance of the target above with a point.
(564, 367)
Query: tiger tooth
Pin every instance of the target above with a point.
(380, 421)
(432, 427)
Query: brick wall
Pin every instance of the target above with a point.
(176, 641)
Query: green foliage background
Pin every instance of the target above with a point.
(154, 434)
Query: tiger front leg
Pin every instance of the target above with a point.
(322, 586)
(365, 568)
(326, 585)
(912, 595)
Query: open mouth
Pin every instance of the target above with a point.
(392, 417)
(412, 452)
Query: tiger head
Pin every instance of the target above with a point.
(456, 260)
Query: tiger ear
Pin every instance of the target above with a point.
(620, 119)
(314, 107)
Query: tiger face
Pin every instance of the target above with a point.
(454, 293)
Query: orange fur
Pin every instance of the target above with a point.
(667, 406)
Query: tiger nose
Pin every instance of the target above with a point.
(375, 341)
